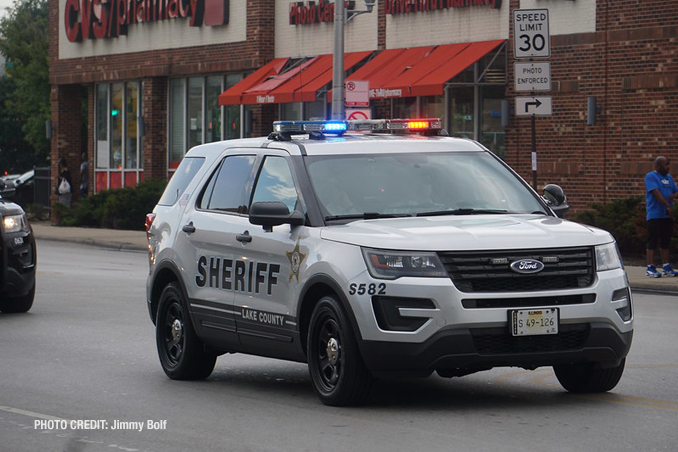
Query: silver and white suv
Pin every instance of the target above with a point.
(387, 249)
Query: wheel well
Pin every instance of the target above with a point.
(164, 277)
(311, 298)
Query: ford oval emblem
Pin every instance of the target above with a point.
(527, 266)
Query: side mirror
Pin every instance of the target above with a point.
(274, 213)
(556, 199)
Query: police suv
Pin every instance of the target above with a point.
(374, 249)
(17, 258)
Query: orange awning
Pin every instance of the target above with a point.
(429, 77)
(419, 71)
(232, 96)
(299, 84)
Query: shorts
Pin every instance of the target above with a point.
(659, 231)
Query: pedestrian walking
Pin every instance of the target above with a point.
(660, 191)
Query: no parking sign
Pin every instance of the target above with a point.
(357, 93)
(358, 113)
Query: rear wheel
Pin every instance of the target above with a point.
(588, 377)
(338, 373)
(181, 353)
(18, 304)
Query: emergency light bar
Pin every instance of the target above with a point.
(367, 125)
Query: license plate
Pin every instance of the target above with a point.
(534, 322)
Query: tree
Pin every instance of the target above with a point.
(24, 42)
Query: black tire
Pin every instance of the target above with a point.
(18, 304)
(181, 353)
(338, 373)
(587, 377)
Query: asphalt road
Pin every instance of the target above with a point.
(83, 362)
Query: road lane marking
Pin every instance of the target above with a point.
(31, 414)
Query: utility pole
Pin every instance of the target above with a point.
(341, 16)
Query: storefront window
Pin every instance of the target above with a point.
(461, 112)
(195, 116)
(290, 111)
(118, 158)
(213, 88)
(195, 110)
(316, 110)
(491, 130)
(117, 99)
(432, 107)
(405, 107)
(177, 144)
(132, 147)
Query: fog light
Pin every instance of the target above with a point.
(623, 298)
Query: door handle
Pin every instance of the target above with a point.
(189, 228)
(245, 237)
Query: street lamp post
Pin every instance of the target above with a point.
(341, 16)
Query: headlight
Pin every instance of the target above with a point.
(14, 223)
(607, 257)
(394, 264)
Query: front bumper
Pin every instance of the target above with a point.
(17, 264)
(457, 352)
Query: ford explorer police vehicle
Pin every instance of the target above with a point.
(374, 249)
(17, 258)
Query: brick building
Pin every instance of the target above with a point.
(136, 83)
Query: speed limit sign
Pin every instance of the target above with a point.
(531, 33)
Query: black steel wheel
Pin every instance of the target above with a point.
(338, 373)
(181, 352)
(589, 377)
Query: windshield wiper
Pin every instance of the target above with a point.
(466, 211)
(366, 216)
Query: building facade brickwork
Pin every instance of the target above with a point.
(623, 53)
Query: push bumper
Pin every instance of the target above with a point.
(458, 352)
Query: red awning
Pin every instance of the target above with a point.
(441, 67)
(419, 71)
(305, 89)
(232, 96)
(299, 84)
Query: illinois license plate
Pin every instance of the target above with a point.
(534, 322)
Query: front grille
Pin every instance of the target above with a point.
(525, 302)
(499, 341)
(489, 271)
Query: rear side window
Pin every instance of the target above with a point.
(187, 169)
(228, 187)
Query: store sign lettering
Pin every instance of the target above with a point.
(304, 13)
(102, 19)
(394, 7)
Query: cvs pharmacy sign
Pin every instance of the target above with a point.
(101, 19)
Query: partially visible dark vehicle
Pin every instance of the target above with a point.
(17, 258)
(20, 189)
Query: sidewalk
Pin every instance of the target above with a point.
(136, 241)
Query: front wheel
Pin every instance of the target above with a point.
(181, 353)
(18, 304)
(338, 373)
(588, 377)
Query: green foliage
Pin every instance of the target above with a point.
(624, 219)
(122, 208)
(24, 41)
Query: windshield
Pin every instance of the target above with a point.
(373, 186)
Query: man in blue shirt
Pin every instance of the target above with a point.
(660, 191)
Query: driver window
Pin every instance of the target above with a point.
(275, 183)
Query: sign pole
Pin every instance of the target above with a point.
(534, 152)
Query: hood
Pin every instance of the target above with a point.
(9, 208)
(463, 233)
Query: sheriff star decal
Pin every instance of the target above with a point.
(296, 258)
